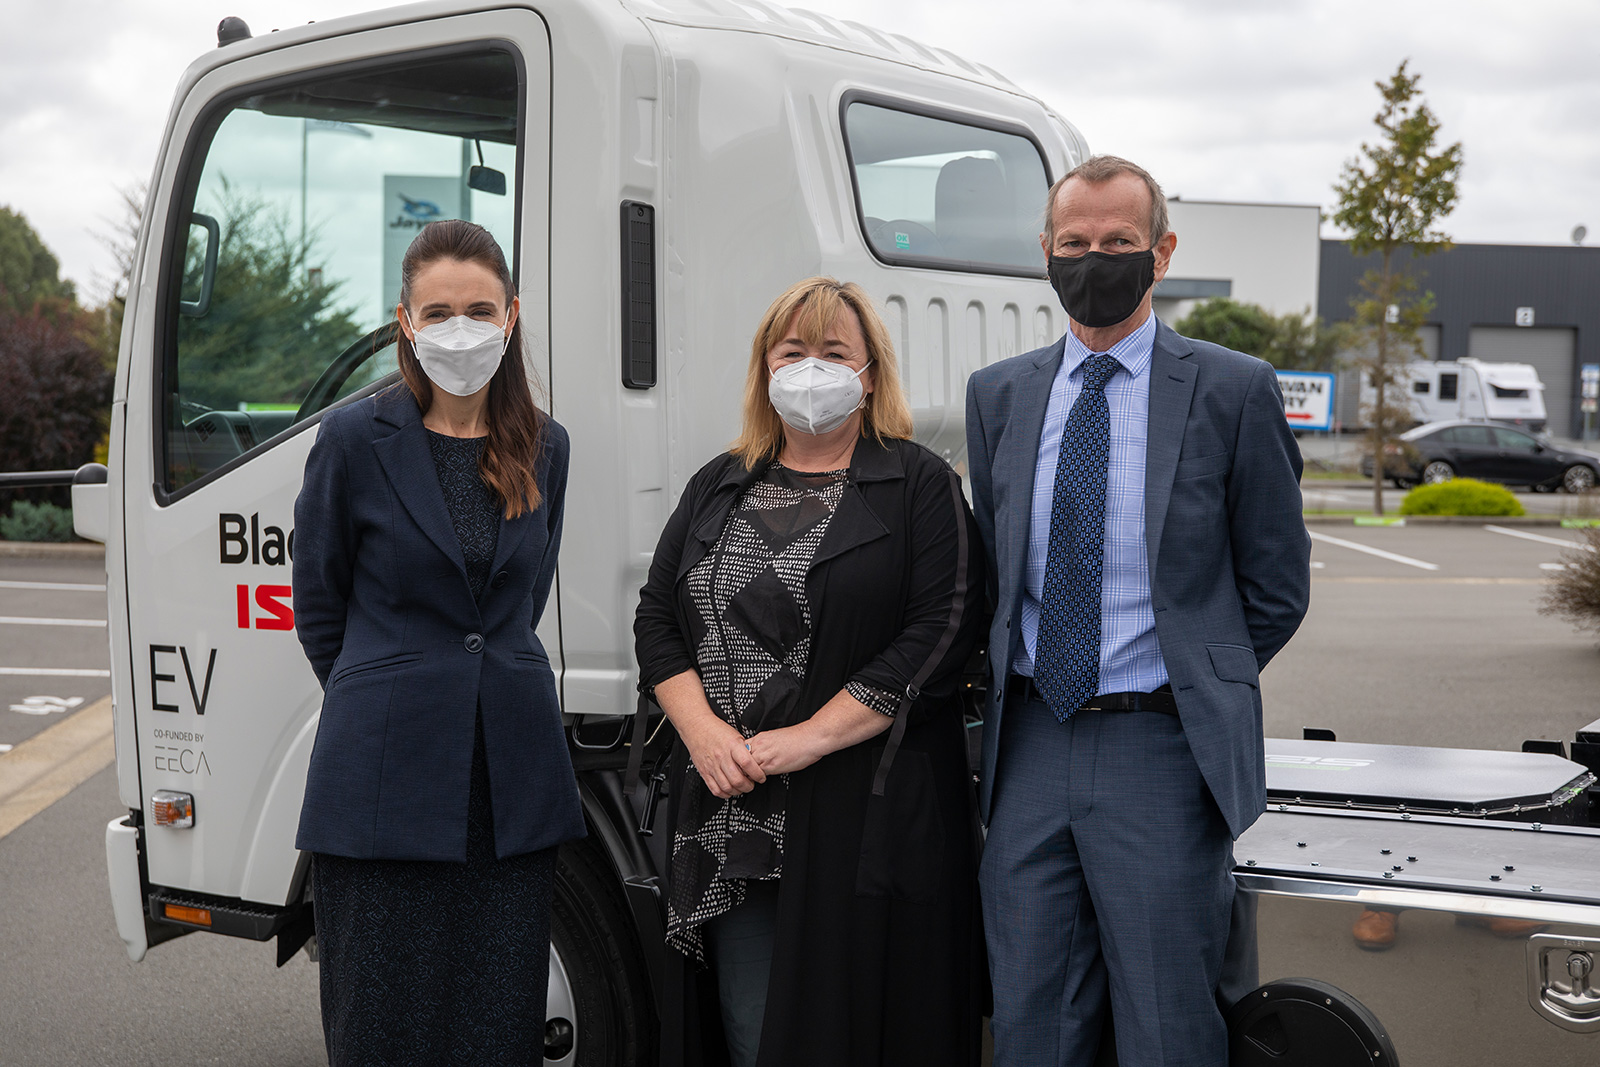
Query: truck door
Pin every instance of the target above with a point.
(293, 181)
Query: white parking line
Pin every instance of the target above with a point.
(53, 672)
(1543, 540)
(1380, 553)
(28, 620)
(60, 587)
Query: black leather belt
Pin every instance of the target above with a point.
(1022, 687)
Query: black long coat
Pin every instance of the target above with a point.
(408, 658)
(878, 952)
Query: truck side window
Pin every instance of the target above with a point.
(1419, 386)
(936, 192)
(298, 204)
(1447, 386)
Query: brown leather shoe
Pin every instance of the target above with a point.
(1375, 931)
(1500, 926)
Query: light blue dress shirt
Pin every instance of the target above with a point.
(1130, 655)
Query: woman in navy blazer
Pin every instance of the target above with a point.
(439, 786)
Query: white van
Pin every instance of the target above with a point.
(657, 171)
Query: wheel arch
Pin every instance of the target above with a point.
(614, 833)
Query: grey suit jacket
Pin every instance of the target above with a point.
(1229, 555)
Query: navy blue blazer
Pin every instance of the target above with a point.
(406, 656)
(1229, 555)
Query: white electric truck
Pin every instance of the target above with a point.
(657, 171)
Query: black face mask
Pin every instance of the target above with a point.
(1099, 289)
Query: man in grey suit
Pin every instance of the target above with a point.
(1138, 494)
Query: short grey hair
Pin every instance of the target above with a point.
(1099, 169)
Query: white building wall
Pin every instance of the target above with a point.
(1268, 254)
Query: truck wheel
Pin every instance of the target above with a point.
(599, 1011)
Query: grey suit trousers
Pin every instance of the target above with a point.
(1105, 847)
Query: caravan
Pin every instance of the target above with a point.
(1472, 389)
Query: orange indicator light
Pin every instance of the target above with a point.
(197, 916)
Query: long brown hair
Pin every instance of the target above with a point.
(516, 425)
(886, 414)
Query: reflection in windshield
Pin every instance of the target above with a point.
(316, 191)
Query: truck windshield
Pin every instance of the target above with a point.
(301, 202)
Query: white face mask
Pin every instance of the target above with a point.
(814, 396)
(460, 355)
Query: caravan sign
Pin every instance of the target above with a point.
(1307, 399)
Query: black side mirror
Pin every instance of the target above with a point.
(487, 180)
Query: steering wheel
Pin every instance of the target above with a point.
(335, 374)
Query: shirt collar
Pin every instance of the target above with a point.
(1133, 351)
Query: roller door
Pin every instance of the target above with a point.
(1551, 351)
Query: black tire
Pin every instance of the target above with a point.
(1578, 478)
(595, 949)
(1437, 471)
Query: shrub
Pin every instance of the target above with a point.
(1461, 496)
(37, 522)
(1574, 592)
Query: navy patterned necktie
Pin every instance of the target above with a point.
(1067, 665)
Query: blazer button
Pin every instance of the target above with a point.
(473, 643)
(500, 580)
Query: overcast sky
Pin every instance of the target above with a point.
(1251, 100)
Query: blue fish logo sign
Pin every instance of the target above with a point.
(415, 213)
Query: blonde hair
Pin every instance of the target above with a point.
(819, 301)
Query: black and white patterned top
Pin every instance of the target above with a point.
(474, 507)
(751, 634)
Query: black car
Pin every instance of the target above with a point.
(1492, 451)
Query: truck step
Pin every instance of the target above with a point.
(221, 915)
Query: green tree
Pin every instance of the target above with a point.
(1247, 328)
(273, 323)
(1289, 342)
(1391, 199)
(29, 274)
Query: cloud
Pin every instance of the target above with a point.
(1224, 100)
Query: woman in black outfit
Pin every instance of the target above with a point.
(807, 612)
(439, 785)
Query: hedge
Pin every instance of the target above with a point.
(1461, 496)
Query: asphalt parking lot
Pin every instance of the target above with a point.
(53, 650)
(1432, 635)
(1416, 635)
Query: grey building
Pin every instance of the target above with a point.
(1536, 304)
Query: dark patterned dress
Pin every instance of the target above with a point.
(751, 634)
(440, 963)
